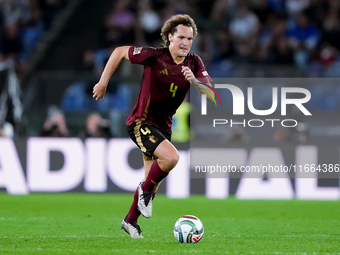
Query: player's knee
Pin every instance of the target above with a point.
(173, 160)
(168, 162)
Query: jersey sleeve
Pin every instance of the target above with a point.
(143, 55)
(202, 74)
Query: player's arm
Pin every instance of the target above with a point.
(116, 57)
(201, 88)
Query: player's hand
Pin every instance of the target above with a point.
(188, 74)
(99, 91)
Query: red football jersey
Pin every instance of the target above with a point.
(164, 86)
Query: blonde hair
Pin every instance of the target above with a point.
(170, 26)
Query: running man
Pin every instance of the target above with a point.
(168, 73)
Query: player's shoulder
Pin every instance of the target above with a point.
(145, 55)
(148, 50)
(194, 57)
(194, 61)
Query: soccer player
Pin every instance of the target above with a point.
(168, 73)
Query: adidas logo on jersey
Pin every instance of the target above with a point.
(165, 71)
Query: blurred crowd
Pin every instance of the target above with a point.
(55, 125)
(300, 33)
(22, 24)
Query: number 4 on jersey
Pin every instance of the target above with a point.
(173, 89)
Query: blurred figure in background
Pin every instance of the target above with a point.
(96, 126)
(181, 124)
(10, 42)
(120, 25)
(149, 22)
(304, 38)
(276, 44)
(244, 29)
(55, 124)
(281, 135)
(293, 7)
(331, 29)
(235, 135)
(22, 25)
(6, 130)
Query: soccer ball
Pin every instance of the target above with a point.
(188, 229)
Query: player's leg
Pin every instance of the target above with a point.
(147, 165)
(153, 143)
(134, 212)
(167, 158)
(129, 223)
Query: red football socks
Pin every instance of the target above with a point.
(134, 213)
(155, 175)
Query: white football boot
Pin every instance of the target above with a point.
(144, 202)
(132, 229)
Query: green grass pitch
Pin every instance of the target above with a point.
(70, 223)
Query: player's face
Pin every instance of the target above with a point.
(181, 41)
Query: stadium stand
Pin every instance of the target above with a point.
(237, 38)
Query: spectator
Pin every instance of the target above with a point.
(31, 30)
(203, 46)
(181, 124)
(328, 54)
(277, 6)
(295, 7)
(304, 35)
(22, 23)
(262, 10)
(236, 135)
(224, 48)
(55, 124)
(316, 12)
(304, 38)
(331, 29)
(281, 52)
(119, 26)
(7, 130)
(244, 29)
(219, 14)
(275, 43)
(96, 126)
(10, 42)
(169, 10)
(282, 135)
(324, 57)
(149, 21)
(11, 11)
